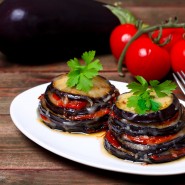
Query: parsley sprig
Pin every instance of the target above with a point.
(80, 76)
(143, 98)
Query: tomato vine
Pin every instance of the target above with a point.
(171, 23)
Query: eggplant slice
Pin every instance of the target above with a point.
(171, 154)
(154, 137)
(72, 110)
(171, 107)
(169, 126)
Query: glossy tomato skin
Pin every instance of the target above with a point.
(119, 38)
(178, 56)
(147, 59)
(175, 35)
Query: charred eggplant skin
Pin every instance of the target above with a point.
(40, 31)
(114, 126)
(152, 129)
(171, 154)
(81, 126)
(154, 137)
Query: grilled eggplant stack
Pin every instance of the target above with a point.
(153, 137)
(72, 110)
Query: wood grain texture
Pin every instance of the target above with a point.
(147, 3)
(153, 12)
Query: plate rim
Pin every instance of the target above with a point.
(73, 158)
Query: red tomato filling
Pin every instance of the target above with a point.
(44, 118)
(112, 140)
(70, 104)
(173, 154)
(149, 139)
(97, 114)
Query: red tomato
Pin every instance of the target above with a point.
(147, 59)
(102, 112)
(149, 139)
(175, 35)
(71, 104)
(178, 56)
(119, 38)
(112, 140)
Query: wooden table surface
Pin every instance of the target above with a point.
(23, 162)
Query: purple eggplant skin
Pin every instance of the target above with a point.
(170, 155)
(67, 125)
(42, 31)
(142, 149)
(165, 156)
(120, 126)
(120, 152)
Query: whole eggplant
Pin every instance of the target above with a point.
(40, 31)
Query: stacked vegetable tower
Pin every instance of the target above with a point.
(79, 101)
(147, 124)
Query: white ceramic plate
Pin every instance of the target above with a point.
(85, 149)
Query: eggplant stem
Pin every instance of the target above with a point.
(141, 31)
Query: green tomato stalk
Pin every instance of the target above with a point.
(124, 15)
(148, 29)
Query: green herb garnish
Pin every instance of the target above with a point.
(143, 98)
(80, 76)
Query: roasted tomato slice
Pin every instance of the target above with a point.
(170, 155)
(111, 139)
(70, 104)
(44, 118)
(97, 114)
(149, 139)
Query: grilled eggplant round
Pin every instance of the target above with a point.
(72, 110)
(153, 137)
(170, 105)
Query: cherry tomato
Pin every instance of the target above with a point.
(175, 35)
(147, 59)
(178, 56)
(119, 38)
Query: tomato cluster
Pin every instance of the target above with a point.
(144, 56)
